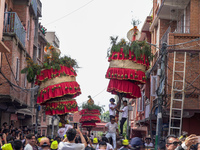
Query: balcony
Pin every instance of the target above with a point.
(12, 25)
(171, 8)
(34, 6)
(39, 8)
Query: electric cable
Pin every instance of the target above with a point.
(11, 69)
(69, 13)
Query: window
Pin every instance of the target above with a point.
(147, 108)
(71, 118)
(17, 68)
(44, 117)
(183, 23)
(25, 80)
(140, 104)
(43, 133)
(153, 85)
(39, 52)
(28, 30)
(0, 59)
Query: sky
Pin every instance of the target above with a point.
(84, 28)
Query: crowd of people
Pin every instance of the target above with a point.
(12, 138)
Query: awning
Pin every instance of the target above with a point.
(24, 112)
(4, 48)
(139, 128)
(9, 101)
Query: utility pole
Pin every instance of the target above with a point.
(160, 93)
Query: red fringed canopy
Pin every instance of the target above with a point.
(61, 107)
(126, 74)
(71, 89)
(131, 56)
(57, 88)
(130, 89)
(47, 74)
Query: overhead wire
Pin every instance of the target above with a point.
(70, 13)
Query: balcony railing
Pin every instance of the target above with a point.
(34, 5)
(12, 24)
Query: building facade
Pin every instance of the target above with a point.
(21, 35)
(176, 23)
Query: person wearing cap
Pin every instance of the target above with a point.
(136, 143)
(124, 112)
(54, 145)
(112, 106)
(112, 129)
(95, 142)
(45, 143)
(125, 145)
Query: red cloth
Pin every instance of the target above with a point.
(58, 90)
(90, 118)
(126, 74)
(92, 112)
(59, 108)
(52, 73)
(128, 88)
(120, 56)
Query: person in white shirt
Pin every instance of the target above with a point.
(112, 107)
(69, 142)
(124, 116)
(31, 142)
(112, 129)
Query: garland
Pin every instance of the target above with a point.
(51, 60)
(91, 107)
(138, 48)
(62, 107)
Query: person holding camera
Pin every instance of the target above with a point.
(69, 142)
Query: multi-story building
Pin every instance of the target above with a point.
(177, 23)
(20, 35)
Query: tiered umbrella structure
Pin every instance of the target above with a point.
(128, 63)
(89, 115)
(57, 82)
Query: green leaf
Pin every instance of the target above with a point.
(24, 70)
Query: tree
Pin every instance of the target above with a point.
(105, 116)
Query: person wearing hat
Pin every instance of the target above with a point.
(125, 145)
(45, 143)
(136, 143)
(54, 145)
(112, 106)
(95, 142)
